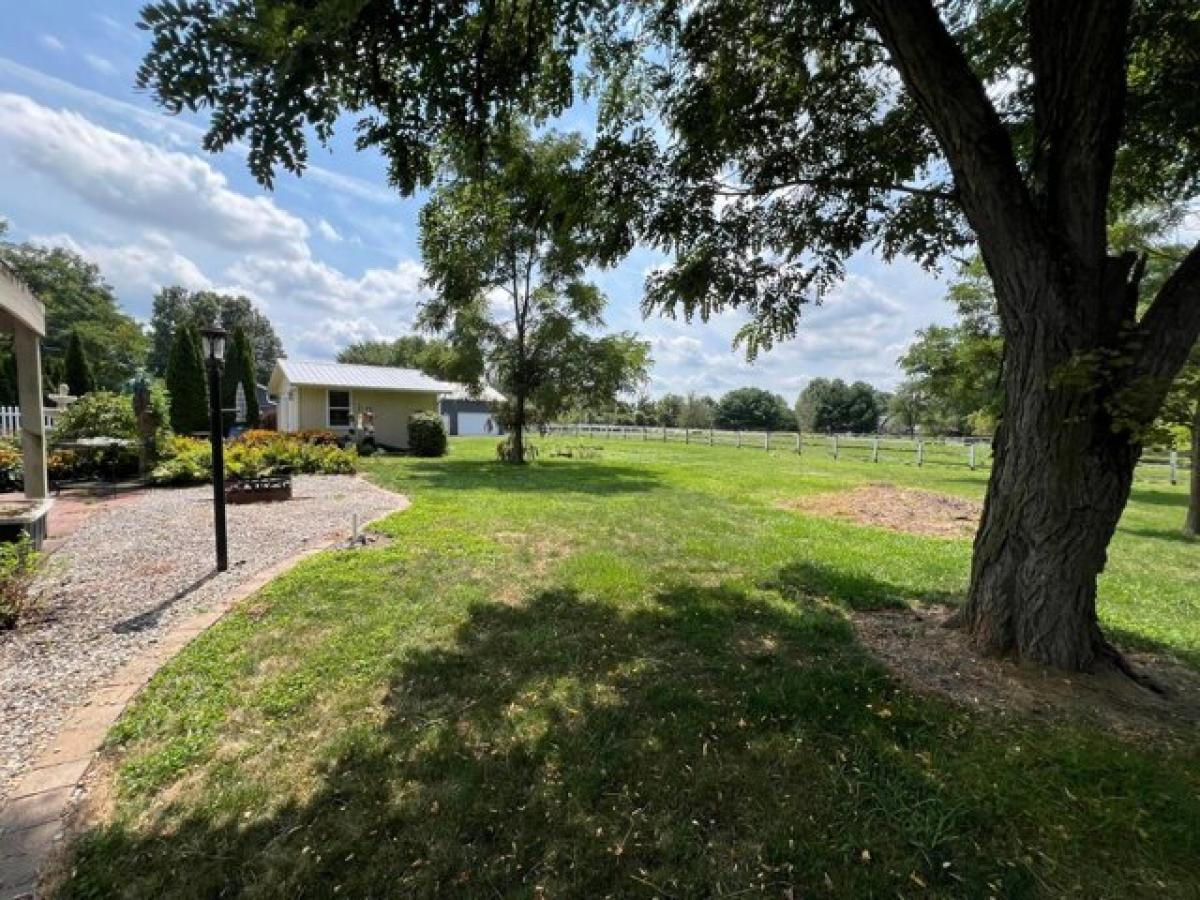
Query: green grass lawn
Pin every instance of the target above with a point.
(633, 676)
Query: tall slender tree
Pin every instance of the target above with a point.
(763, 144)
(239, 372)
(186, 383)
(77, 368)
(522, 233)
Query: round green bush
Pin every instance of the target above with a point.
(426, 434)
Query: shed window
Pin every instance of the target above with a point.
(339, 409)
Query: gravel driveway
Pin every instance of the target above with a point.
(128, 572)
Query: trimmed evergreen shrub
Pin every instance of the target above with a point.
(77, 369)
(427, 434)
(186, 383)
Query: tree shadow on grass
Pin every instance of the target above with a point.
(1156, 497)
(806, 580)
(552, 476)
(710, 742)
(1162, 534)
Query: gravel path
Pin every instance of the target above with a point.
(128, 572)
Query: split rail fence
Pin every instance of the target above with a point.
(971, 453)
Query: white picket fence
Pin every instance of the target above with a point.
(10, 420)
(973, 453)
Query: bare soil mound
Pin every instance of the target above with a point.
(899, 509)
(933, 659)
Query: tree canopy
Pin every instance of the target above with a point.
(956, 368)
(79, 302)
(176, 306)
(436, 358)
(506, 255)
(826, 406)
(753, 409)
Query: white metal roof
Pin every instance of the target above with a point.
(342, 375)
(463, 392)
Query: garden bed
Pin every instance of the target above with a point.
(263, 489)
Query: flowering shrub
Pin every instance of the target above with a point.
(11, 473)
(252, 455)
(315, 436)
(185, 461)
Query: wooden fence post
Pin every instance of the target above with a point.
(710, 436)
(1175, 466)
(971, 456)
(687, 435)
(739, 437)
(797, 443)
(835, 447)
(767, 442)
(664, 434)
(920, 453)
(875, 449)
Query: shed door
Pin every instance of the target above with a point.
(475, 423)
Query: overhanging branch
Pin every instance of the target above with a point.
(1171, 327)
(759, 190)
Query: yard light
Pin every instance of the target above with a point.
(213, 339)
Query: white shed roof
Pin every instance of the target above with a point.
(341, 375)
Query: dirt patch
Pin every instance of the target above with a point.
(883, 505)
(933, 659)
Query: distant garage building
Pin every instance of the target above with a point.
(468, 414)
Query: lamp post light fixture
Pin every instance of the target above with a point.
(213, 339)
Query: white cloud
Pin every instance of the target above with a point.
(327, 231)
(50, 42)
(145, 266)
(313, 284)
(144, 183)
(100, 64)
(330, 335)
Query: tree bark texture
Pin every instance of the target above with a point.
(1060, 480)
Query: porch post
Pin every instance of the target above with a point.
(27, 349)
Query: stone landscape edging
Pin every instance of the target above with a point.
(33, 817)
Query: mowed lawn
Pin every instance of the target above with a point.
(633, 676)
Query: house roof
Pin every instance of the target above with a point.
(342, 375)
(487, 393)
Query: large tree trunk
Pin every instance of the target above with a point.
(1056, 493)
(1192, 525)
(1060, 481)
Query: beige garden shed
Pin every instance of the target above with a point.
(337, 396)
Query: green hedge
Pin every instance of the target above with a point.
(427, 434)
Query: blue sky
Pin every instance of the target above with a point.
(88, 162)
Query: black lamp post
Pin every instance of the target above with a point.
(213, 338)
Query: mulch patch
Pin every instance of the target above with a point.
(882, 505)
(930, 658)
